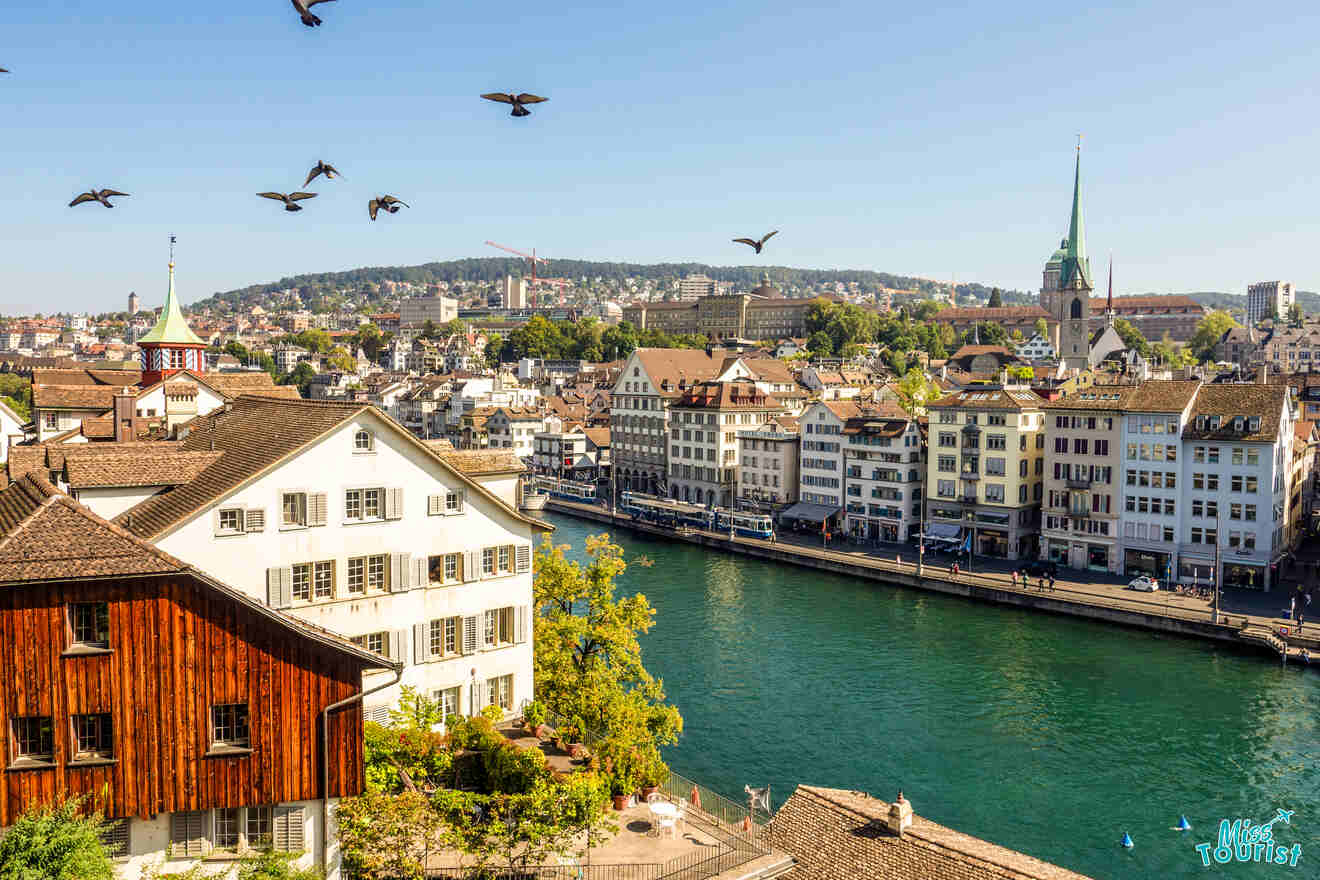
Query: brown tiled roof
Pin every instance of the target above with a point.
(598, 436)
(1265, 402)
(150, 464)
(234, 384)
(482, 462)
(673, 365)
(844, 409)
(971, 351)
(50, 456)
(1124, 304)
(771, 370)
(989, 314)
(113, 378)
(256, 434)
(737, 395)
(94, 397)
(834, 834)
(440, 444)
(1163, 395)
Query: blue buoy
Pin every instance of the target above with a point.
(1183, 824)
(1127, 841)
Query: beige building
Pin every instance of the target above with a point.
(768, 464)
(434, 308)
(703, 437)
(762, 314)
(985, 469)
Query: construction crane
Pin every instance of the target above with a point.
(532, 259)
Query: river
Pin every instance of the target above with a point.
(1048, 735)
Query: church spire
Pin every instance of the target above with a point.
(1109, 302)
(1076, 267)
(172, 326)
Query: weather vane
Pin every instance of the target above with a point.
(1079, 141)
(171, 250)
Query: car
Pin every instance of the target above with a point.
(1144, 584)
(1041, 568)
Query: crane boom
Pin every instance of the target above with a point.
(532, 256)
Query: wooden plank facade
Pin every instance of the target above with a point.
(177, 646)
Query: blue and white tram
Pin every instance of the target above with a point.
(665, 512)
(749, 525)
(583, 493)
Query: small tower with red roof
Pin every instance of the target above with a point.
(171, 345)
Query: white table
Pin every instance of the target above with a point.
(664, 810)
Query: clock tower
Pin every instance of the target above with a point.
(1066, 287)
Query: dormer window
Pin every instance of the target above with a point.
(363, 441)
(1254, 424)
(1237, 424)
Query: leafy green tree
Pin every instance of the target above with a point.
(494, 346)
(313, 339)
(17, 394)
(588, 660)
(1295, 314)
(55, 843)
(388, 837)
(989, 334)
(1021, 372)
(429, 330)
(1132, 337)
(1043, 328)
(339, 358)
(1208, 333)
(368, 338)
(239, 351)
(618, 341)
(896, 361)
(819, 314)
(301, 376)
(272, 865)
(996, 300)
(266, 362)
(820, 344)
(915, 391)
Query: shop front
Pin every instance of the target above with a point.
(1244, 575)
(992, 542)
(1148, 562)
(1097, 557)
(1058, 552)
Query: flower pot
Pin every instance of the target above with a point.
(648, 790)
(540, 731)
(620, 802)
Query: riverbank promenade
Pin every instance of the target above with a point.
(1245, 619)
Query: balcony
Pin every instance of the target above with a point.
(968, 499)
(1078, 483)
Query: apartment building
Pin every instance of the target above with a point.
(1237, 452)
(703, 438)
(514, 428)
(133, 661)
(985, 468)
(1269, 299)
(820, 468)
(337, 515)
(768, 464)
(579, 454)
(883, 466)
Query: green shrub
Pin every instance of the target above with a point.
(276, 866)
(55, 843)
(534, 713)
(512, 770)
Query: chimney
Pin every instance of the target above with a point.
(1264, 374)
(124, 412)
(900, 815)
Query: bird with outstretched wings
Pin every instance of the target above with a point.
(516, 100)
(389, 203)
(97, 195)
(322, 167)
(757, 244)
(304, 11)
(290, 200)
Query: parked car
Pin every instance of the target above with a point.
(1144, 584)
(1041, 568)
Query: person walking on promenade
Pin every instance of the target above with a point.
(1051, 583)
(1012, 576)
(1300, 615)
(1041, 585)
(953, 569)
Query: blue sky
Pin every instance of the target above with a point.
(925, 139)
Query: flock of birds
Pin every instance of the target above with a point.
(387, 203)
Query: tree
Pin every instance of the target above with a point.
(55, 843)
(239, 351)
(618, 341)
(1295, 314)
(17, 394)
(1131, 336)
(388, 837)
(588, 661)
(301, 376)
(1209, 331)
(1043, 328)
(996, 300)
(369, 340)
(990, 334)
(339, 358)
(429, 330)
(1022, 372)
(915, 390)
(266, 362)
(820, 344)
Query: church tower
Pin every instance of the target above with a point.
(1066, 287)
(171, 345)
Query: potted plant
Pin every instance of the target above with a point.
(619, 793)
(573, 733)
(534, 719)
(653, 773)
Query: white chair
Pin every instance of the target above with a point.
(655, 797)
(664, 824)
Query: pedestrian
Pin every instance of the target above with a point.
(1041, 585)
(954, 569)
(1051, 583)
(1012, 576)
(1300, 615)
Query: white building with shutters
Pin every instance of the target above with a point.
(341, 517)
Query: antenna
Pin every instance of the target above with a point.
(1079, 141)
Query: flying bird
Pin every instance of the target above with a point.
(2, 70)
(757, 244)
(389, 203)
(330, 172)
(516, 100)
(304, 11)
(94, 195)
(289, 200)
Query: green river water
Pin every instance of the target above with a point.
(1048, 735)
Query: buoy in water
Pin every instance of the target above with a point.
(1183, 824)
(1127, 841)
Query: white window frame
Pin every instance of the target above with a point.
(299, 513)
(361, 448)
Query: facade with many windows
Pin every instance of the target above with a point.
(985, 465)
(820, 468)
(768, 465)
(336, 514)
(703, 438)
(883, 467)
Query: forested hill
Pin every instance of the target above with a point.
(492, 269)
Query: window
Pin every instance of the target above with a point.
(488, 561)
(1251, 485)
(294, 509)
(994, 493)
(89, 623)
(231, 520)
(34, 741)
(443, 636)
(357, 574)
(302, 582)
(1213, 457)
(506, 559)
(488, 632)
(363, 441)
(1212, 482)
(225, 834)
(363, 504)
(499, 692)
(229, 726)
(92, 738)
(323, 579)
(445, 569)
(114, 837)
(1251, 513)
(1198, 481)
(448, 699)
(257, 828)
(453, 502)
(1235, 511)
(377, 642)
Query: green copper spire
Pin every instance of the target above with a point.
(1076, 267)
(172, 327)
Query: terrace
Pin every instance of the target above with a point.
(716, 839)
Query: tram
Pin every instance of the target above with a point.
(583, 493)
(649, 508)
(749, 525)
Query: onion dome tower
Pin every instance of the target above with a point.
(171, 345)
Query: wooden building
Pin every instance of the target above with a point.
(186, 711)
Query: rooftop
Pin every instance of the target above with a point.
(1229, 402)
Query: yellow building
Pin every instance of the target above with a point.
(985, 466)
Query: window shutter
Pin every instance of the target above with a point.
(520, 624)
(401, 572)
(288, 829)
(421, 573)
(399, 646)
(394, 503)
(479, 690)
(524, 555)
(114, 837)
(255, 520)
(470, 631)
(462, 499)
(421, 643)
(316, 509)
(215, 522)
(279, 587)
(378, 714)
(435, 505)
(187, 837)
(472, 565)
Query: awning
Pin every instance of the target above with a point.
(816, 513)
(948, 531)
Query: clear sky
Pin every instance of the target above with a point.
(925, 139)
